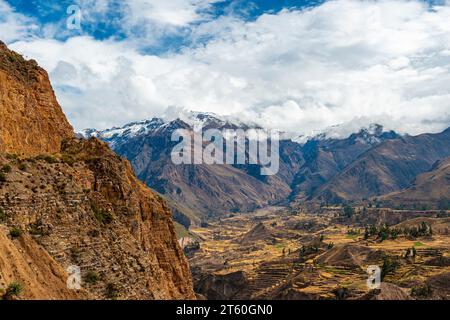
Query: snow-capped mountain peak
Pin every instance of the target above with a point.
(371, 134)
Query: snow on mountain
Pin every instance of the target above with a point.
(370, 134)
(191, 119)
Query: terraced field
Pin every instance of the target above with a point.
(287, 254)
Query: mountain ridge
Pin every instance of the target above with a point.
(78, 203)
(388, 167)
(147, 144)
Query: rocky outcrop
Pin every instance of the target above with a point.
(86, 208)
(222, 287)
(79, 206)
(31, 120)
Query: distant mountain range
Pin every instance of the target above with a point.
(387, 167)
(369, 163)
(199, 191)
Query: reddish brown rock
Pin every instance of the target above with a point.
(31, 120)
(82, 205)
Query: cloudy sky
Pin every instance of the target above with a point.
(295, 65)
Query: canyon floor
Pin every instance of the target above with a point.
(282, 253)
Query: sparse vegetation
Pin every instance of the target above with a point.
(411, 252)
(13, 290)
(112, 291)
(390, 266)
(6, 168)
(91, 277)
(422, 291)
(2, 177)
(102, 216)
(47, 158)
(11, 156)
(353, 232)
(68, 159)
(38, 229)
(308, 249)
(348, 211)
(15, 232)
(384, 232)
(418, 244)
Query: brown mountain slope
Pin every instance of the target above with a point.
(205, 190)
(438, 225)
(431, 188)
(212, 190)
(24, 261)
(349, 256)
(31, 120)
(324, 159)
(84, 206)
(388, 167)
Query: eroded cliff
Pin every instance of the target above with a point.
(78, 202)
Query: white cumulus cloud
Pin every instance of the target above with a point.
(297, 70)
(14, 26)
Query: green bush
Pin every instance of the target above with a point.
(91, 277)
(422, 291)
(50, 159)
(390, 265)
(101, 215)
(13, 290)
(348, 211)
(2, 177)
(68, 159)
(47, 158)
(22, 166)
(6, 168)
(11, 156)
(15, 232)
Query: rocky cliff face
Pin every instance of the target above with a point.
(31, 120)
(75, 202)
